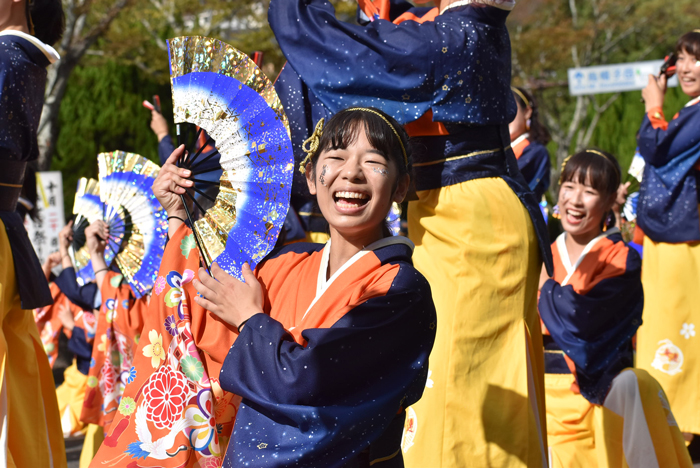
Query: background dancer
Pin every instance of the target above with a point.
(668, 346)
(479, 234)
(29, 418)
(592, 307)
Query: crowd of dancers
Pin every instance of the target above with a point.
(474, 341)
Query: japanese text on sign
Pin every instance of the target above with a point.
(613, 78)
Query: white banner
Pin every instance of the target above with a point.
(44, 233)
(613, 78)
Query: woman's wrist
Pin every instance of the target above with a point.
(244, 322)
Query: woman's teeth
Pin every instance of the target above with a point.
(359, 195)
(350, 199)
(575, 214)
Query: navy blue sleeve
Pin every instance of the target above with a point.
(323, 403)
(659, 146)
(595, 329)
(405, 69)
(668, 194)
(79, 346)
(535, 166)
(82, 296)
(165, 148)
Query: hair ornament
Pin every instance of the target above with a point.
(310, 145)
(602, 155)
(521, 95)
(364, 109)
(563, 166)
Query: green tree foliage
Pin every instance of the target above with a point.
(551, 36)
(102, 111)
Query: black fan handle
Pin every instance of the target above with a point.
(189, 218)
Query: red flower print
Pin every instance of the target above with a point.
(165, 396)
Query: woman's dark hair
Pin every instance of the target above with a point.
(341, 132)
(599, 168)
(538, 132)
(690, 43)
(48, 19)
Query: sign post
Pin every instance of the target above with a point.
(614, 78)
(44, 233)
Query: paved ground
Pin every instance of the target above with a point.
(73, 448)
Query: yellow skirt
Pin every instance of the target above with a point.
(668, 342)
(484, 401)
(71, 395)
(30, 426)
(635, 427)
(93, 439)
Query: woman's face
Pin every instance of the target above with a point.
(519, 125)
(582, 208)
(688, 71)
(355, 187)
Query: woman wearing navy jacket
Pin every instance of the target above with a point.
(668, 344)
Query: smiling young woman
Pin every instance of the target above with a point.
(668, 214)
(315, 357)
(345, 325)
(598, 408)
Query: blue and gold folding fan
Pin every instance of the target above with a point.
(87, 208)
(138, 225)
(221, 91)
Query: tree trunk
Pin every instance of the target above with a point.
(48, 125)
(73, 46)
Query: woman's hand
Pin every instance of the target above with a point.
(653, 94)
(65, 237)
(543, 277)
(96, 236)
(171, 183)
(159, 125)
(65, 315)
(620, 199)
(622, 192)
(54, 259)
(96, 239)
(232, 300)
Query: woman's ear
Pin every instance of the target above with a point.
(310, 178)
(402, 188)
(528, 113)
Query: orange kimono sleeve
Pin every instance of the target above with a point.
(172, 389)
(49, 324)
(111, 353)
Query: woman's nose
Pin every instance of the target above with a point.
(353, 171)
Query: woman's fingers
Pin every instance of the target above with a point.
(207, 304)
(206, 285)
(175, 155)
(249, 276)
